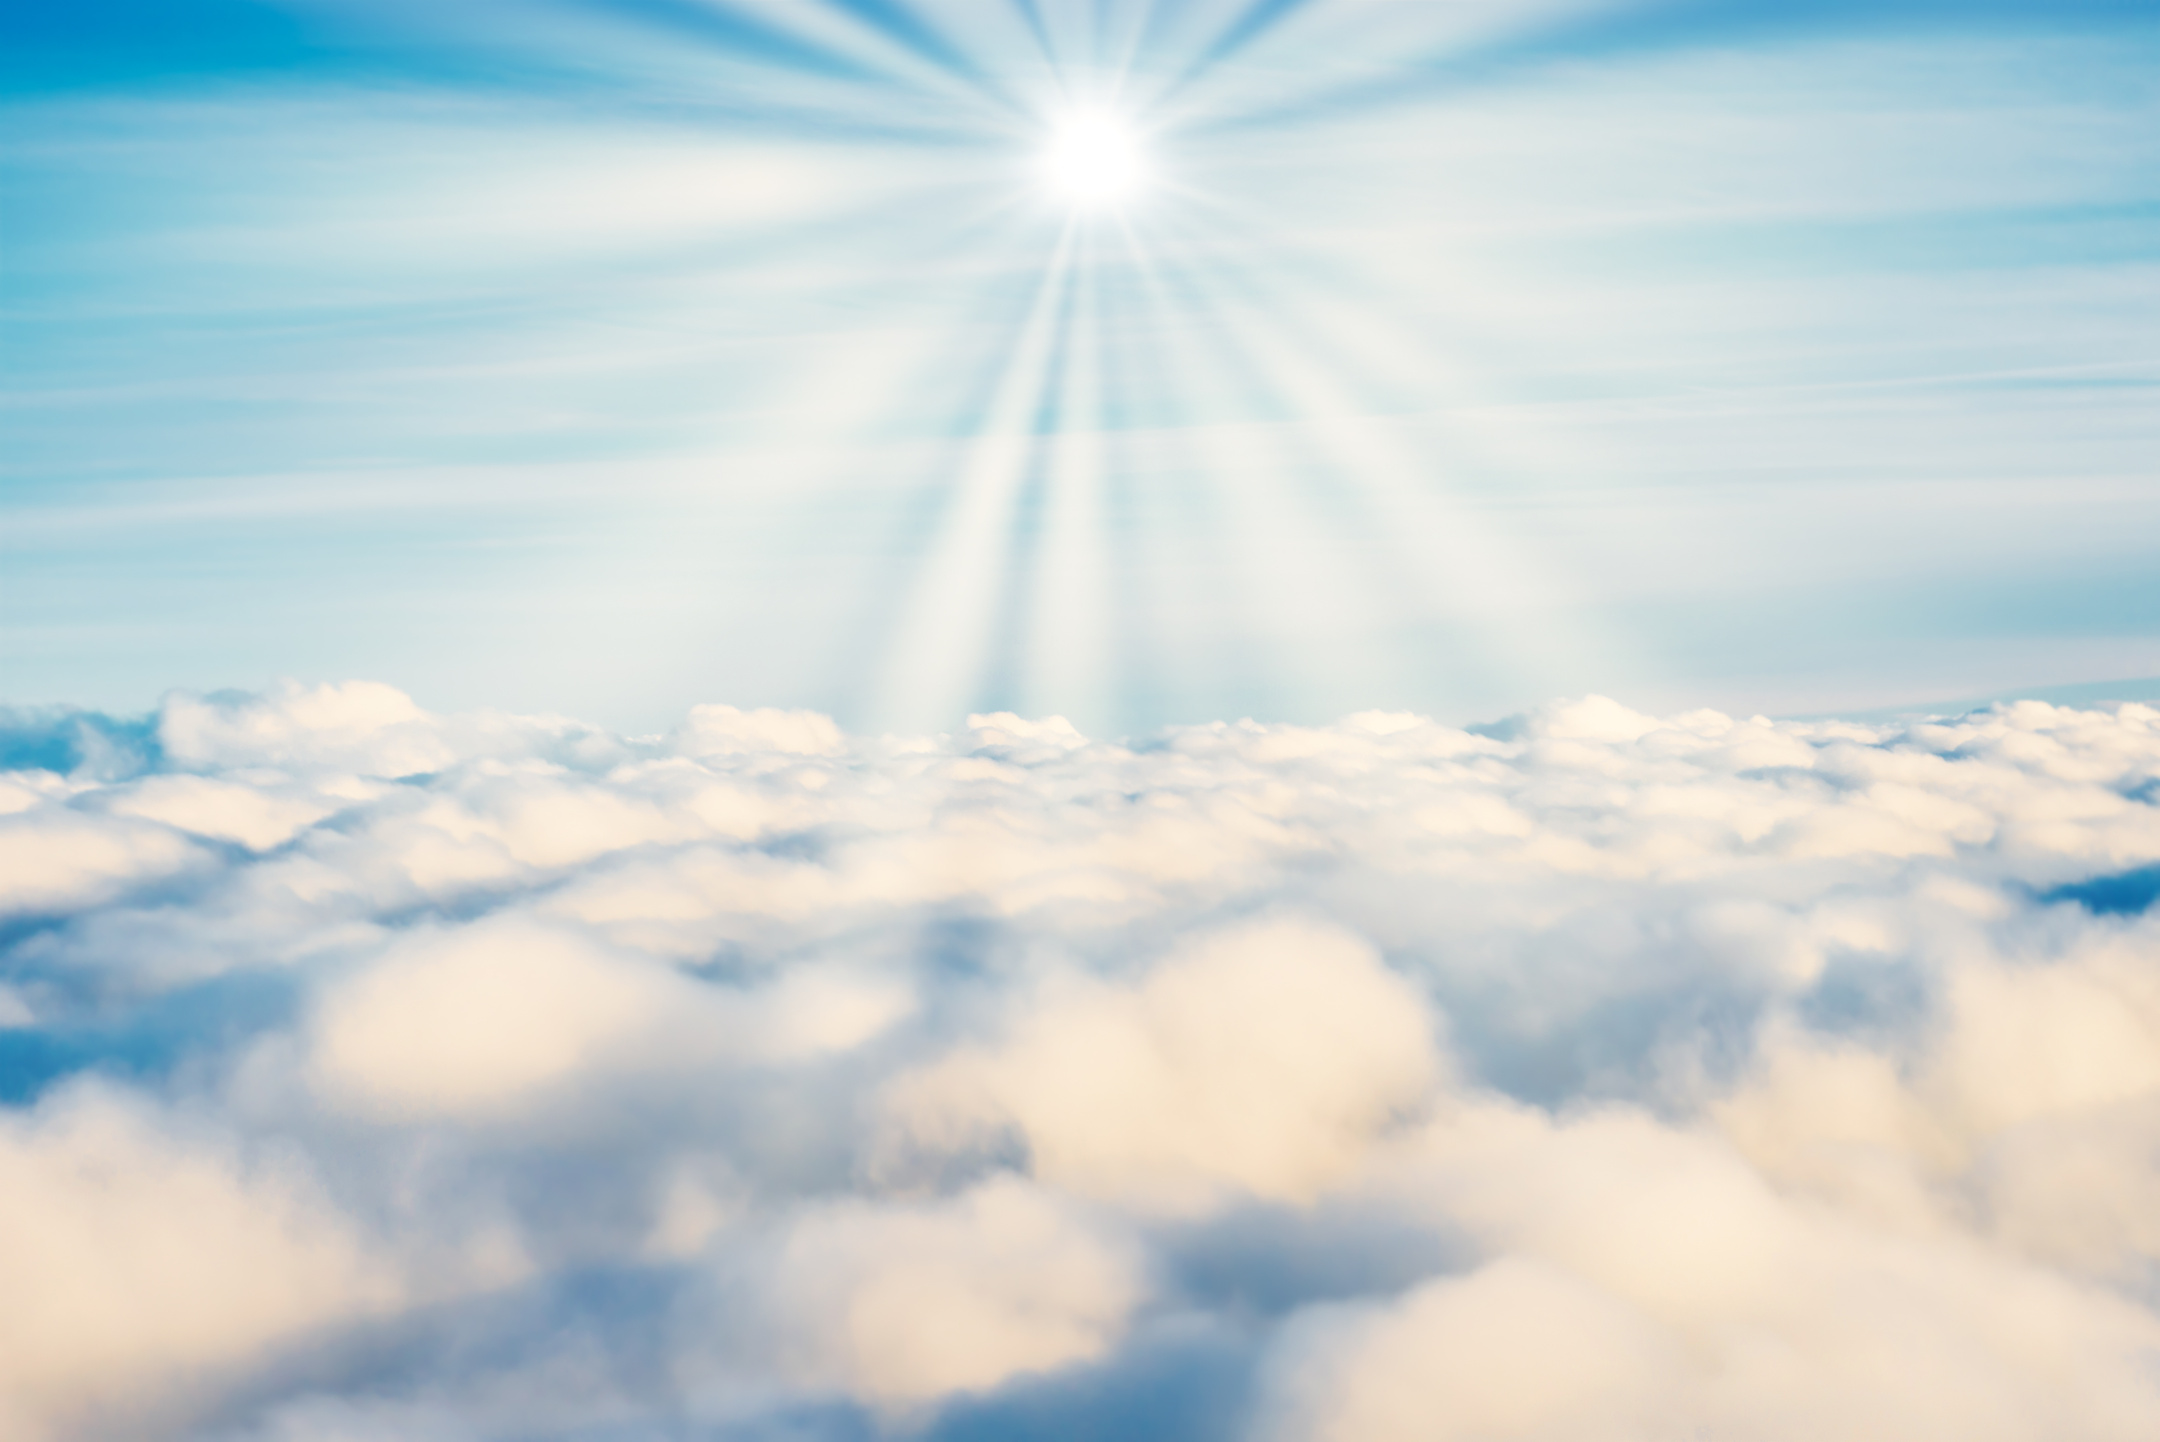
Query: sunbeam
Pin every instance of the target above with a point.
(1177, 720)
(1062, 661)
(943, 643)
(1335, 391)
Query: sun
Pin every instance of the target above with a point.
(1094, 160)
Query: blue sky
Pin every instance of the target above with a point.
(605, 358)
(455, 986)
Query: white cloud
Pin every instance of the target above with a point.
(1718, 1077)
(1649, 1282)
(477, 1021)
(1517, 1350)
(727, 731)
(489, 1020)
(361, 726)
(257, 813)
(138, 1258)
(904, 1304)
(2032, 1108)
(1263, 1059)
(55, 859)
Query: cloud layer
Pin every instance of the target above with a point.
(374, 1074)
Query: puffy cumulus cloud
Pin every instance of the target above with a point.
(2033, 1104)
(1893, 1345)
(902, 1304)
(494, 1018)
(368, 1073)
(479, 1020)
(1264, 1059)
(258, 816)
(55, 858)
(728, 731)
(1647, 1282)
(137, 1258)
(361, 726)
(1517, 1350)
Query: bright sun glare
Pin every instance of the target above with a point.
(1094, 159)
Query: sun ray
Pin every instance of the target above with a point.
(901, 25)
(1310, 600)
(1447, 559)
(1051, 575)
(1064, 662)
(941, 646)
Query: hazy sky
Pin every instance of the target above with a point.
(605, 358)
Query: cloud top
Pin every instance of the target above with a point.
(370, 1073)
